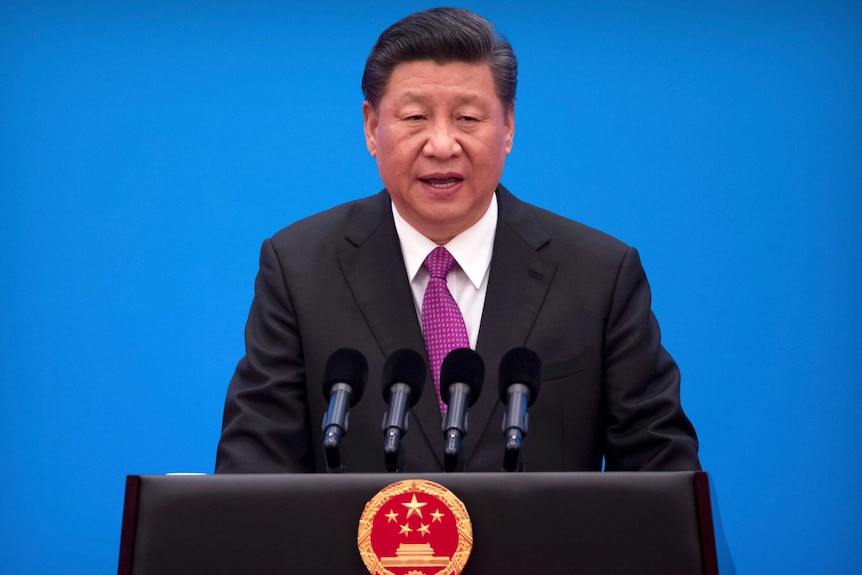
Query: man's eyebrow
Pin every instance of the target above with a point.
(410, 97)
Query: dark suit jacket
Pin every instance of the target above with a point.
(576, 296)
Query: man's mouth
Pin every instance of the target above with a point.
(441, 182)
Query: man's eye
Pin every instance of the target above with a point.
(415, 118)
(469, 119)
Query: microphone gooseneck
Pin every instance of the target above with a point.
(461, 377)
(520, 376)
(344, 380)
(403, 380)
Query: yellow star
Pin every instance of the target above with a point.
(424, 530)
(405, 529)
(392, 516)
(414, 507)
(437, 516)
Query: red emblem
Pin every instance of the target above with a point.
(415, 527)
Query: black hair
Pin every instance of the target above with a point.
(442, 35)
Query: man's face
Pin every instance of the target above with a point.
(440, 136)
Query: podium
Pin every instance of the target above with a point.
(523, 523)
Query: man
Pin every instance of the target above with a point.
(439, 120)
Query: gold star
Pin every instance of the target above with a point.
(424, 530)
(405, 529)
(392, 516)
(414, 507)
(437, 516)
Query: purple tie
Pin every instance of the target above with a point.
(442, 322)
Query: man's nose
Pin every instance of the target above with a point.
(442, 141)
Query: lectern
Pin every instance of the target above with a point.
(523, 523)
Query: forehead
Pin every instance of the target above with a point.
(425, 80)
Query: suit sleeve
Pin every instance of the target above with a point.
(646, 428)
(266, 423)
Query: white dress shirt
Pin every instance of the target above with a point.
(468, 280)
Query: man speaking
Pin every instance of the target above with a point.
(446, 240)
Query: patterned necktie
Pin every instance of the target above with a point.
(442, 322)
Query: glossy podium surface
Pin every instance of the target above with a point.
(548, 523)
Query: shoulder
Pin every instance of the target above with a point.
(351, 221)
(554, 235)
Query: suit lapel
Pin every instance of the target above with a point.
(373, 267)
(519, 280)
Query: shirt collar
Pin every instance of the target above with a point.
(472, 248)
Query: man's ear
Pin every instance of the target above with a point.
(369, 116)
(509, 123)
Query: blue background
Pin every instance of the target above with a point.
(147, 149)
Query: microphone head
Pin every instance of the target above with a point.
(520, 365)
(348, 366)
(462, 365)
(404, 366)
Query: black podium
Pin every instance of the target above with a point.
(525, 523)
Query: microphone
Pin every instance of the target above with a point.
(344, 380)
(461, 376)
(403, 380)
(520, 375)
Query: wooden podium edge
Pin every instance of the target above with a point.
(705, 520)
(130, 515)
